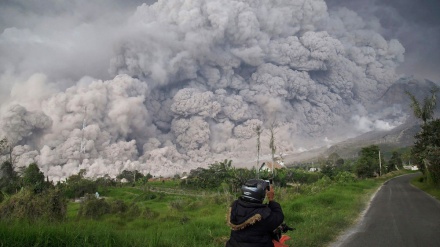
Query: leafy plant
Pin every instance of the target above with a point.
(345, 177)
(8, 178)
(26, 205)
(77, 186)
(33, 178)
(93, 208)
(426, 149)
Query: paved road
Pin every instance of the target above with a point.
(400, 215)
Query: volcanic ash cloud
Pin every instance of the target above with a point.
(193, 79)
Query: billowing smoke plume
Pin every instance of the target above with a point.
(188, 83)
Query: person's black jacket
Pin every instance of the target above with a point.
(252, 223)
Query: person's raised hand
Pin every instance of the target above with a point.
(270, 193)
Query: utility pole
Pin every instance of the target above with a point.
(272, 145)
(380, 165)
(258, 130)
(82, 149)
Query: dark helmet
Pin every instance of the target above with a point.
(254, 190)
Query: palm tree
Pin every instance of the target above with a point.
(427, 140)
(425, 112)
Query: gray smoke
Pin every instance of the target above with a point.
(174, 85)
(19, 125)
(415, 24)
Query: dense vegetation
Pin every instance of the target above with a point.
(172, 212)
(426, 149)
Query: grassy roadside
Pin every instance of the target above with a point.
(333, 210)
(430, 189)
(320, 217)
(319, 212)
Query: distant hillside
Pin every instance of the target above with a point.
(399, 137)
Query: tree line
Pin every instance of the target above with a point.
(28, 194)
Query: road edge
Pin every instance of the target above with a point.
(346, 234)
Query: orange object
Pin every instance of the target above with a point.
(283, 239)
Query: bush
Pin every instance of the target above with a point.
(303, 177)
(118, 206)
(223, 198)
(9, 183)
(133, 211)
(324, 182)
(93, 208)
(56, 204)
(26, 205)
(319, 185)
(146, 196)
(77, 189)
(345, 177)
(33, 178)
(178, 204)
(149, 214)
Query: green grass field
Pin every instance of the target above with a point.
(176, 217)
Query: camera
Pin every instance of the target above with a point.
(283, 228)
(268, 183)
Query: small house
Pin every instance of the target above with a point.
(270, 165)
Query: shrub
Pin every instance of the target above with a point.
(177, 204)
(118, 206)
(149, 214)
(33, 178)
(345, 177)
(184, 220)
(76, 189)
(146, 196)
(9, 183)
(320, 185)
(26, 205)
(56, 204)
(323, 182)
(93, 208)
(223, 198)
(303, 177)
(133, 211)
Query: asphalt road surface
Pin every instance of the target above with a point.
(399, 215)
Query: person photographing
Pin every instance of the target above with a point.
(252, 222)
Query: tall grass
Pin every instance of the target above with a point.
(65, 234)
(320, 217)
(319, 212)
(432, 189)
